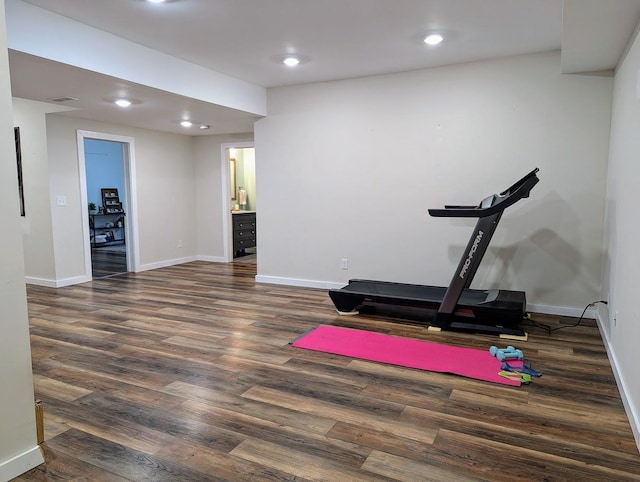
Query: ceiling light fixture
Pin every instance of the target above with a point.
(122, 102)
(64, 98)
(433, 39)
(204, 126)
(155, 1)
(186, 123)
(291, 61)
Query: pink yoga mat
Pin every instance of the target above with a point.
(406, 352)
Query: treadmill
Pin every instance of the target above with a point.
(457, 308)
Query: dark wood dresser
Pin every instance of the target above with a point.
(244, 231)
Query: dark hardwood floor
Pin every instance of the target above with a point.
(186, 373)
(107, 262)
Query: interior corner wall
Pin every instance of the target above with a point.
(348, 169)
(165, 187)
(209, 203)
(19, 451)
(621, 325)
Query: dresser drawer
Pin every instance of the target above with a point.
(244, 233)
(238, 226)
(244, 221)
(242, 243)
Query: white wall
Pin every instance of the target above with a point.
(364, 159)
(621, 323)
(165, 194)
(36, 224)
(211, 212)
(18, 448)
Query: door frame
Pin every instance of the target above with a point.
(130, 196)
(227, 220)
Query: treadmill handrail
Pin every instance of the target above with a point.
(506, 198)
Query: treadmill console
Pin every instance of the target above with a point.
(491, 204)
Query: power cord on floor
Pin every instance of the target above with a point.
(577, 323)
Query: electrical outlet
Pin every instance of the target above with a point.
(179, 243)
(344, 263)
(61, 200)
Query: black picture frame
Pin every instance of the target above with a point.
(16, 133)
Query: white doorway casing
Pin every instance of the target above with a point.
(227, 229)
(130, 197)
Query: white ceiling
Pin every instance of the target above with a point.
(338, 39)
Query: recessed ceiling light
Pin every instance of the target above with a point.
(186, 123)
(433, 39)
(155, 1)
(204, 126)
(64, 98)
(122, 102)
(291, 61)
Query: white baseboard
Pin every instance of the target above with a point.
(51, 283)
(167, 263)
(632, 411)
(303, 283)
(11, 468)
(145, 267)
(213, 259)
(561, 311)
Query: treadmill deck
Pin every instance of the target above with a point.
(501, 306)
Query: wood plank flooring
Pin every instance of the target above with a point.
(105, 262)
(186, 374)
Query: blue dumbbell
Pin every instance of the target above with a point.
(509, 355)
(494, 349)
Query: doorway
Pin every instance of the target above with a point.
(106, 168)
(241, 202)
(104, 164)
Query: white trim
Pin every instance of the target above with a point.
(561, 311)
(227, 222)
(130, 196)
(49, 283)
(213, 259)
(52, 283)
(72, 281)
(18, 465)
(82, 169)
(166, 263)
(632, 411)
(304, 283)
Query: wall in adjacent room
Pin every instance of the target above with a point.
(104, 168)
(246, 175)
(365, 158)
